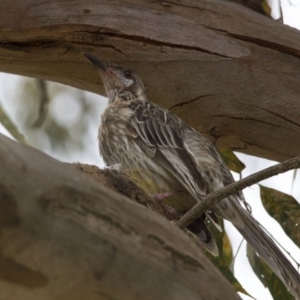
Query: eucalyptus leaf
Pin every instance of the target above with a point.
(223, 261)
(10, 126)
(267, 277)
(284, 209)
(231, 160)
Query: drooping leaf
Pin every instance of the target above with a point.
(267, 277)
(226, 249)
(284, 209)
(231, 160)
(294, 179)
(223, 261)
(10, 126)
(266, 8)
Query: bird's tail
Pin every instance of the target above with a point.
(199, 229)
(265, 247)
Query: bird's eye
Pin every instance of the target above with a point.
(128, 74)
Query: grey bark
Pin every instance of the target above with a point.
(229, 71)
(65, 236)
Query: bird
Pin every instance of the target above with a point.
(163, 153)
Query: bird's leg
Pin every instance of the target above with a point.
(170, 212)
(164, 195)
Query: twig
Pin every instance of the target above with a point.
(44, 102)
(231, 267)
(210, 200)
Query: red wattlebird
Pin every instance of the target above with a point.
(165, 154)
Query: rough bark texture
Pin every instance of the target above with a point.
(229, 71)
(65, 236)
(121, 184)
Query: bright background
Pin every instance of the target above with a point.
(78, 142)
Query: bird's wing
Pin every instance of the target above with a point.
(198, 166)
(208, 157)
(188, 156)
(162, 135)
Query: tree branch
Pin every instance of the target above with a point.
(194, 43)
(213, 198)
(59, 226)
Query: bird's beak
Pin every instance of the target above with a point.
(106, 71)
(96, 62)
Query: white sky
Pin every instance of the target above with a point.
(290, 9)
(282, 182)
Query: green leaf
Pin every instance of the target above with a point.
(267, 277)
(10, 126)
(284, 209)
(266, 8)
(226, 249)
(223, 261)
(231, 160)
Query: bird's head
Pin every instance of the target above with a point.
(121, 84)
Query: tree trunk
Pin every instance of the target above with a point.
(229, 71)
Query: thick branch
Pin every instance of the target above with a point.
(236, 84)
(64, 236)
(211, 199)
(121, 184)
